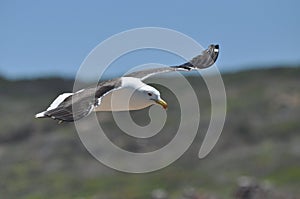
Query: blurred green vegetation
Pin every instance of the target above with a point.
(41, 159)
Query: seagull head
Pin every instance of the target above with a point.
(153, 95)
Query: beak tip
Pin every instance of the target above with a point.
(162, 103)
(165, 107)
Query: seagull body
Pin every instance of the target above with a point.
(131, 88)
(120, 94)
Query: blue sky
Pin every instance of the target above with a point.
(40, 38)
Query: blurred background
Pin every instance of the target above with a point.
(42, 45)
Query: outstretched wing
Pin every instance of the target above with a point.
(206, 59)
(74, 106)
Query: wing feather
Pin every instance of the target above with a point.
(80, 104)
(204, 60)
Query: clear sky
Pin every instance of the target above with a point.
(39, 38)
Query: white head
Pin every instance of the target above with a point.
(140, 94)
(151, 95)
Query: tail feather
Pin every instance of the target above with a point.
(41, 115)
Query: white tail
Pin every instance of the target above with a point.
(40, 115)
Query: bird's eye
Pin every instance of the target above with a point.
(150, 94)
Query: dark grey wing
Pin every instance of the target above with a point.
(73, 107)
(81, 103)
(206, 59)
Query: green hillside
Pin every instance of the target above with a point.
(42, 159)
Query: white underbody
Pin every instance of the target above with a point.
(123, 100)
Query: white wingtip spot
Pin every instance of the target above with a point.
(216, 50)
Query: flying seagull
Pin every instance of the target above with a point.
(69, 107)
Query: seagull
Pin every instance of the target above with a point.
(69, 107)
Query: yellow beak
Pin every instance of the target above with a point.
(162, 103)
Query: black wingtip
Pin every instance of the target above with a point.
(214, 46)
(205, 60)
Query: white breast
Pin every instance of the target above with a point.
(125, 98)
